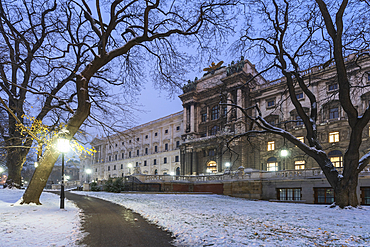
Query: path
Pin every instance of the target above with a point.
(109, 224)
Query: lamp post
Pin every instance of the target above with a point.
(63, 146)
(88, 172)
(129, 165)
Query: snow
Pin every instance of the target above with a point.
(194, 219)
(215, 220)
(32, 225)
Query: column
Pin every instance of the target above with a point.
(192, 122)
(184, 118)
(239, 102)
(229, 107)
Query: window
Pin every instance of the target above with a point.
(166, 146)
(123, 155)
(129, 154)
(109, 158)
(211, 152)
(224, 111)
(129, 141)
(324, 195)
(301, 138)
(176, 158)
(166, 131)
(146, 150)
(336, 158)
(178, 128)
(146, 136)
(214, 130)
(299, 120)
(271, 146)
(204, 117)
(144, 162)
(137, 152)
(110, 147)
(333, 87)
(177, 144)
(154, 161)
(121, 166)
(365, 195)
(108, 168)
(299, 164)
(334, 137)
(289, 194)
(155, 134)
(214, 113)
(123, 143)
(96, 169)
(165, 160)
(270, 103)
(138, 139)
(114, 167)
(155, 148)
(115, 157)
(299, 95)
(272, 164)
(212, 167)
(333, 113)
(137, 164)
(155, 172)
(116, 144)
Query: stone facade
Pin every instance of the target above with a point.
(151, 148)
(212, 116)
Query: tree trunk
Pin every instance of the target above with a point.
(46, 163)
(345, 192)
(14, 161)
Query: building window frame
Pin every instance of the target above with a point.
(271, 146)
(289, 194)
(299, 165)
(333, 136)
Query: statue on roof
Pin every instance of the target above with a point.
(213, 67)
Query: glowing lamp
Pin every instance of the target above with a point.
(63, 144)
(88, 171)
(227, 164)
(284, 152)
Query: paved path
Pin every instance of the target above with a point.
(109, 224)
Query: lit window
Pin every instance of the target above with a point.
(214, 113)
(333, 87)
(337, 161)
(212, 167)
(270, 103)
(301, 138)
(333, 113)
(272, 166)
(299, 95)
(334, 137)
(271, 146)
(299, 164)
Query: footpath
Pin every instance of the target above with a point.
(109, 224)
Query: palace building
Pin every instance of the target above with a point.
(196, 141)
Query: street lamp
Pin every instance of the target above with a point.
(88, 172)
(63, 147)
(227, 164)
(129, 165)
(284, 152)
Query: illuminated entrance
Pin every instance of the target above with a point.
(212, 167)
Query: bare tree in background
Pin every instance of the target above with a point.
(130, 33)
(297, 35)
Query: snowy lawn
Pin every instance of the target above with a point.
(214, 220)
(32, 225)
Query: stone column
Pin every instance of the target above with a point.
(239, 102)
(229, 107)
(192, 120)
(184, 118)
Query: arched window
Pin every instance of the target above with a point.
(155, 172)
(272, 164)
(214, 113)
(212, 167)
(178, 171)
(214, 130)
(336, 157)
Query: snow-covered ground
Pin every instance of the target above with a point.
(195, 220)
(214, 220)
(31, 225)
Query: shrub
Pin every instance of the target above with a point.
(114, 185)
(95, 187)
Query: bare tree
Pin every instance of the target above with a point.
(129, 33)
(297, 35)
